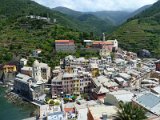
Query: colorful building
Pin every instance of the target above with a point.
(9, 71)
(109, 44)
(9, 68)
(67, 82)
(65, 46)
(71, 83)
(76, 86)
(94, 69)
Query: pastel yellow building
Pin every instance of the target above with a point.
(94, 69)
(69, 69)
(95, 72)
(76, 86)
(9, 68)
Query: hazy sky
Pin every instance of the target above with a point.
(97, 5)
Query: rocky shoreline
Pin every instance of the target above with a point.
(18, 101)
(13, 98)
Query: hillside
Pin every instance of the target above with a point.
(142, 31)
(14, 8)
(68, 11)
(117, 17)
(114, 17)
(20, 35)
(98, 25)
(139, 11)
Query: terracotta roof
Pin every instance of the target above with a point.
(63, 41)
(103, 42)
(68, 109)
(5, 66)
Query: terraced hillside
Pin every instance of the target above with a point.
(141, 32)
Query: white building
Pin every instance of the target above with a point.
(121, 95)
(156, 90)
(23, 61)
(98, 112)
(27, 71)
(36, 52)
(41, 71)
(114, 42)
(88, 42)
(51, 112)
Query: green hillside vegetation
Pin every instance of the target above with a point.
(141, 32)
(14, 8)
(109, 17)
(20, 35)
(117, 17)
(68, 11)
(24, 35)
(98, 24)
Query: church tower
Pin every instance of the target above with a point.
(36, 71)
(104, 38)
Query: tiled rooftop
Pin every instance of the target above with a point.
(149, 100)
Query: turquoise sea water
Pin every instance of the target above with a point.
(9, 111)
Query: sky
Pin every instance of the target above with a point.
(97, 5)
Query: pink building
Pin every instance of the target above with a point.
(109, 44)
(67, 83)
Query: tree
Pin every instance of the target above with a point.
(11, 47)
(128, 111)
(112, 56)
(56, 103)
(51, 102)
(66, 100)
(85, 96)
(7, 57)
(74, 98)
(19, 46)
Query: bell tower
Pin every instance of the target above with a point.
(36, 71)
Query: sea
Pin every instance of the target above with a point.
(10, 111)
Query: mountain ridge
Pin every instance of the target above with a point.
(116, 17)
(141, 32)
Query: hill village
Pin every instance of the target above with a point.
(86, 89)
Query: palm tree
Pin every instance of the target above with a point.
(128, 111)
